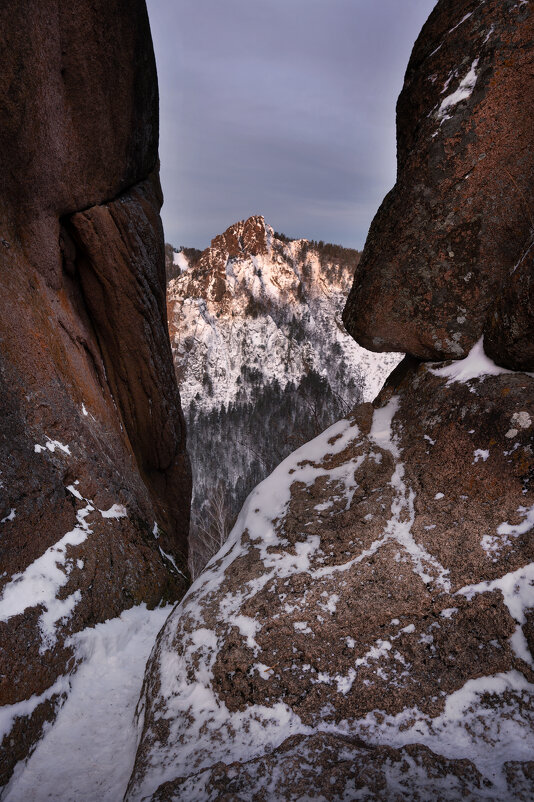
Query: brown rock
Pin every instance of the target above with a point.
(79, 104)
(335, 768)
(460, 215)
(242, 239)
(92, 446)
(120, 257)
(367, 601)
(509, 332)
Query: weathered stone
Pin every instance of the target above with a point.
(331, 767)
(245, 238)
(392, 585)
(79, 105)
(92, 447)
(459, 218)
(509, 332)
(120, 260)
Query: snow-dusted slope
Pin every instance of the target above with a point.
(88, 752)
(367, 631)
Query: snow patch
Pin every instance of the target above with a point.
(467, 84)
(517, 588)
(9, 713)
(115, 511)
(89, 751)
(40, 582)
(171, 559)
(10, 516)
(475, 365)
(466, 17)
(486, 734)
(181, 260)
(51, 445)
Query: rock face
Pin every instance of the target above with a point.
(336, 767)
(378, 585)
(95, 482)
(263, 362)
(459, 219)
(509, 332)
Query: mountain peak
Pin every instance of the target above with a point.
(244, 238)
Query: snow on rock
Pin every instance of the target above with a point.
(475, 365)
(464, 90)
(65, 585)
(51, 445)
(115, 511)
(180, 259)
(89, 752)
(39, 583)
(354, 599)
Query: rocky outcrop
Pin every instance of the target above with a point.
(246, 238)
(95, 483)
(459, 219)
(336, 767)
(257, 301)
(378, 585)
(119, 258)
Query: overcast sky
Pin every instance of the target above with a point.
(284, 108)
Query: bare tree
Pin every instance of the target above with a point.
(209, 529)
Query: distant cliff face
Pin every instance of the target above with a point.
(368, 630)
(95, 480)
(263, 361)
(269, 305)
(436, 270)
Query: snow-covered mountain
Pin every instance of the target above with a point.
(262, 357)
(257, 302)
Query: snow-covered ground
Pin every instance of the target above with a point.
(88, 753)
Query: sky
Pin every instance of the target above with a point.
(284, 108)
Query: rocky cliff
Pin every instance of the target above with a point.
(367, 630)
(95, 480)
(262, 359)
(376, 590)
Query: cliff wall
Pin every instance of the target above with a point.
(95, 480)
(440, 262)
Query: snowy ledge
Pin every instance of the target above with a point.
(476, 365)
